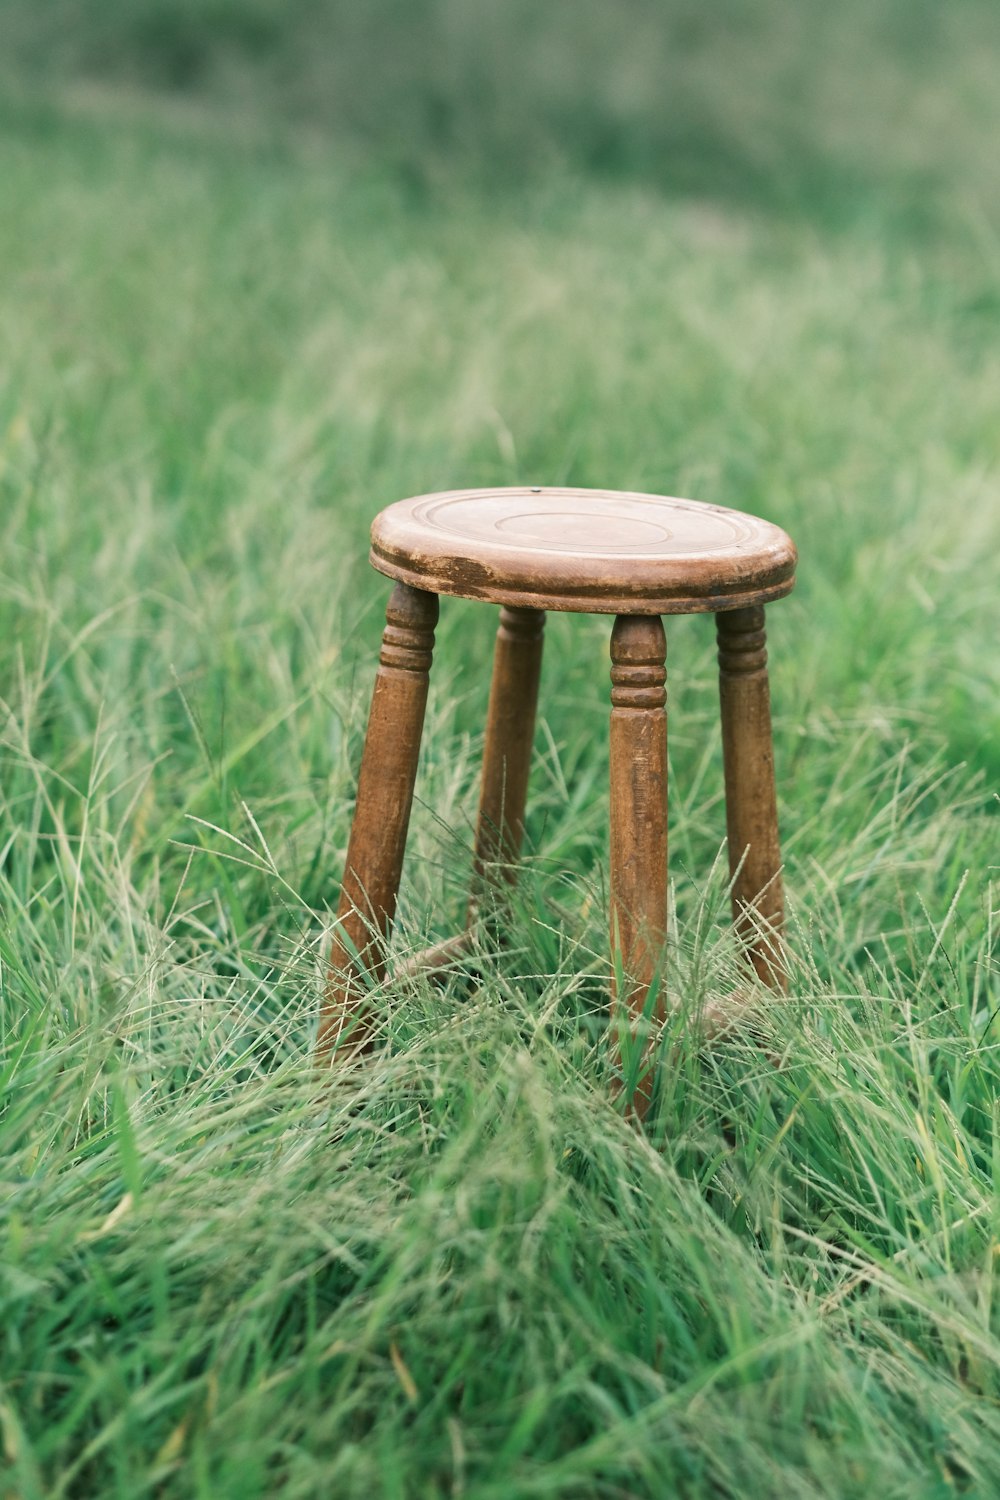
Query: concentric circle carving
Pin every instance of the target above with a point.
(593, 522)
(600, 550)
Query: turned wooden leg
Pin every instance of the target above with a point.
(638, 811)
(510, 733)
(381, 818)
(751, 805)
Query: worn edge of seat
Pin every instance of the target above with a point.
(473, 580)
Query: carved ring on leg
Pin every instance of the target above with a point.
(638, 823)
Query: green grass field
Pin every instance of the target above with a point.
(231, 330)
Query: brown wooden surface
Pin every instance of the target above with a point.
(637, 556)
(751, 804)
(510, 733)
(638, 812)
(381, 819)
(596, 551)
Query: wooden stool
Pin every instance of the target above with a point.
(590, 551)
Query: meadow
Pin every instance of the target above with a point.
(251, 292)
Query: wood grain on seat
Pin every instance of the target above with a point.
(593, 551)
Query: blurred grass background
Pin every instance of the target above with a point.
(264, 269)
(812, 107)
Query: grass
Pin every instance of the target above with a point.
(460, 1272)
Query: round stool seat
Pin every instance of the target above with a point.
(592, 551)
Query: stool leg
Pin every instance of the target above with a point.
(510, 732)
(751, 804)
(638, 810)
(381, 817)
